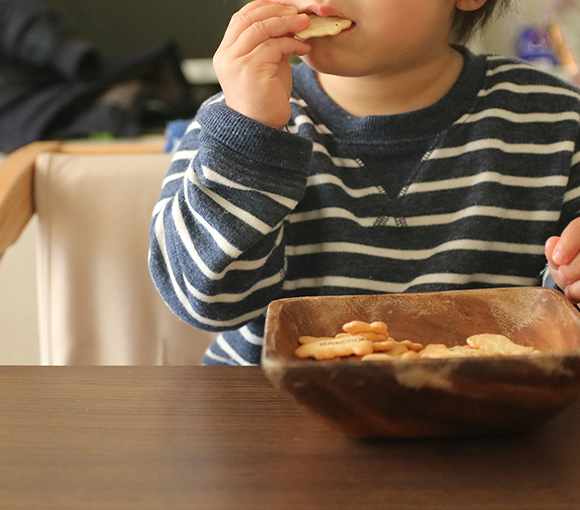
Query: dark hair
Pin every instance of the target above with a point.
(467, 23)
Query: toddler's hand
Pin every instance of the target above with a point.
(563, 254)
(253, 61)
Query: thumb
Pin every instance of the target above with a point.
(549, 249)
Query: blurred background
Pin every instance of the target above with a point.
(119, 26)
(544, 32)
(115, 67)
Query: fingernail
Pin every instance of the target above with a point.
(562, 275)
(558, 257)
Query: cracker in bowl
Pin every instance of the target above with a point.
(324, 26)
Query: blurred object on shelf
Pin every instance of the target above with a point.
(534, 47)
(199, 71)
(543, 32)
(201, 76)
(551, 44)
(563, 49)
(561, 19)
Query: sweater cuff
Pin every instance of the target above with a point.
(548, 281)
(262, 144)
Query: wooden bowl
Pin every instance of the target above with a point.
(431, 397)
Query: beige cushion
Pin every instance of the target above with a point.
(97, 302)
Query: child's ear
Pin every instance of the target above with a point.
(469, 5)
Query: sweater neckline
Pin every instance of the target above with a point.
(425, 122)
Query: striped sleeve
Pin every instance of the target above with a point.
(571, 203)
(219, 222)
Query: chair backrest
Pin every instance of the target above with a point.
(97, 302)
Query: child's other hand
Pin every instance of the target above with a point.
(563, 254)
(252, 62)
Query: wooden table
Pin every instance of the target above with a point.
(222, 438)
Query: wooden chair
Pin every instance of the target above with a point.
(97, 304)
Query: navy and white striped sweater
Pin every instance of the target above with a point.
(461, 194)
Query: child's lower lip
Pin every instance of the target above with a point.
(349, 28)
(345, 31)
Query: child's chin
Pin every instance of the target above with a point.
(326, 63)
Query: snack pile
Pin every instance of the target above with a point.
(323, 26)
(372, 342)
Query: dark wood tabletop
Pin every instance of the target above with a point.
(222, 438)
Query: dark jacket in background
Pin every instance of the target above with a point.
(53, 85)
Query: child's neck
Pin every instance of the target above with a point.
(390, 93)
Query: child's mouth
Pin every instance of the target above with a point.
(349, 29)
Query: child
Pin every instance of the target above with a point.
(391, 161)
